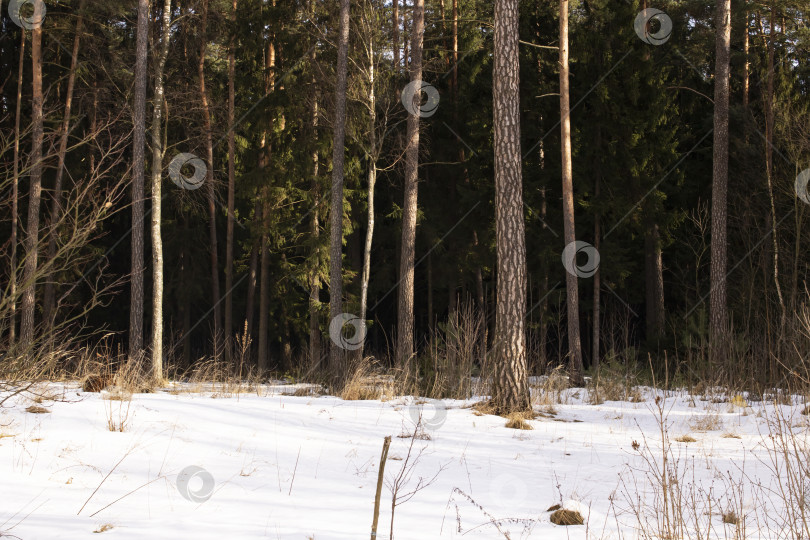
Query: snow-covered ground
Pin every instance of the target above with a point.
(213, 465)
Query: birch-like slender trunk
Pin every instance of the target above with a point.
(372, 180)
(157, 175)
(572, 293)
(15, 196)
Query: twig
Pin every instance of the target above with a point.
(380, 480)
(294, 470)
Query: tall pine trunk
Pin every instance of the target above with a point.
(717, 297)
(405, 317)
(138, 150)
(212, 208)
(264, 258)
(769, 128)
(231, 188)
(510, 389)
(337, 357)
(572, 293)
(35, 193)
(157, 175)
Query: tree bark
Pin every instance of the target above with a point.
(315, 231)
(336, 356)
(35, 193)
(409, 208)
(654, 280)
(139, 135)
(157, 175)
(769, 128)
(717, 297)
(597, 277)
(264, 279)
(572, 293)
(396, 36)
(747, 62)
(372, 180)
(231, 188)
(49, 302)
(510, 389)
(212, 208)
(15, 195)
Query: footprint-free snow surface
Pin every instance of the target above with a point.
(211, 465)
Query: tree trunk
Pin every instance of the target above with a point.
(372, 180)
(510, 389)
(717, 298)
(746, 64)
(32, 237)
(157, 175)
(212, 208)
(49, 304)
(336, 356)
(409, 208)
(315, 231)
(264, 279)
(15, 195)
(139, 135)
(572, 293)
(253, 271)
(597, 277)
(396, 36)
(769, 128)
(654, 279)
(231, 189)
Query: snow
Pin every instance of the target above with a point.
(266, 464)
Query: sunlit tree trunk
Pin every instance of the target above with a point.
(510, 389)
(35, 193)
(405, 317)
(717, 297)
(572, 293)
(337, 355)
(231, 189)
(264, 258)
(212, 208)
(157, 175)
(138, 150)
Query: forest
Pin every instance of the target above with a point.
(297, 188)
(551, 256)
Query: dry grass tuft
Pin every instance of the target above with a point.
(36, 409)
(104, 528)
(613, 383)
(365, 382)
(706, 422)
(567, 517)
(552, 389)
(685, 439)
(730, 518)
(518, 421)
